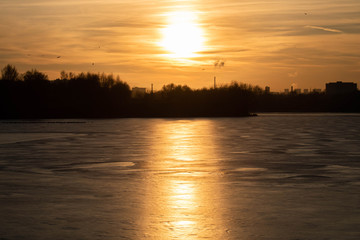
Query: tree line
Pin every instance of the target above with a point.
(84, 95)
(95, 95)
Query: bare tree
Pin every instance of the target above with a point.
(64, 75)
(34, 76)
(9, 73)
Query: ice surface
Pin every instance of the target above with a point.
(270, 177)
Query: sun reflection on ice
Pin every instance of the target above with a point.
(182, 188)
(183, 196)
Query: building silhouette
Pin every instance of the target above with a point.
(336, 88)
(137, 92)
(316, 90)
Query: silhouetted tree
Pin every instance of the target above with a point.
(35, 76)
(9, 73)
(64, 75)
(107, 81)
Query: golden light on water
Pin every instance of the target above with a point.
(184, 207)
(183, 36)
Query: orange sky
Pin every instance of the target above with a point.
(274, 43)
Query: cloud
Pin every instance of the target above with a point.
(223, 51)
(293, 75)
(325, 29)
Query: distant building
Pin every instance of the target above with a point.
(267, 89)
(316, 90)
(137, 92)
(297, 90)
(306, 91)
(286, 91)
(334, 88)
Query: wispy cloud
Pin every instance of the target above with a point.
(293, 75)
(325, 29)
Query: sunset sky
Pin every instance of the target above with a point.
(266, 43)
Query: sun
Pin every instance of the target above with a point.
(182, 37)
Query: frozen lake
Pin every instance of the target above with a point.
(275, 176)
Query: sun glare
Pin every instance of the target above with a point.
(183, 36)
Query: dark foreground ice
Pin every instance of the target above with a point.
(271, 177)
